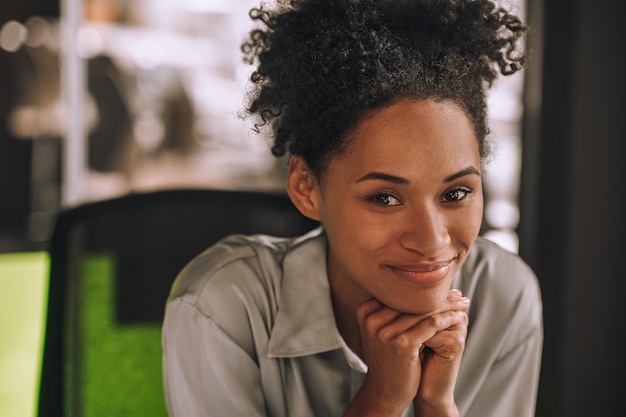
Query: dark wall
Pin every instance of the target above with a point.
(23, 9)
(15, 153)
(573, 230)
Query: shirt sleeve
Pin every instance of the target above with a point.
(501, 363)
(205, 372)
(510, 387)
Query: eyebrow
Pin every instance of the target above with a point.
(467, 171)
(381, 176)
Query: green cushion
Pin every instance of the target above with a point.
(121, 363)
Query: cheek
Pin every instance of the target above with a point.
(340, 212)
(354, 232)
(468, 226)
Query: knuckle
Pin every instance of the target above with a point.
(376, 324)
(404, 342)
(385, 333)
(464, 319)
(434, 321)
(370, 323)
(459, 341)
(365, 310)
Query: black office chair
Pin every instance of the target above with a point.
(111, 267)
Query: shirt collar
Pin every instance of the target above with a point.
(305, 323)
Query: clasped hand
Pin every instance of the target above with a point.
(412, 357)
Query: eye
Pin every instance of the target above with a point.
(457, 194)
(384, 200)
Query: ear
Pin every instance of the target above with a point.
(303, 188)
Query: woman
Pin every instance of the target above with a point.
(381, 106)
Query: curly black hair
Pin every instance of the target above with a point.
(321, 65)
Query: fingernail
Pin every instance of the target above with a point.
(464, 300)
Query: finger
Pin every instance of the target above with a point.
(449, 343)
(413, 340)
(367, 307)
(373, 315)
(395, 322)
(431, 325)
(455, 301)
(454, 294)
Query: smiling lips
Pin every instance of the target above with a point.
(426, 273)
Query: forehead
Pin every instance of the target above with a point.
(422, 141)
(423, 134)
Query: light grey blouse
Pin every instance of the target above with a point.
(249, 331)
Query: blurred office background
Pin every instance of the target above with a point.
(151, 89)
(100, 98)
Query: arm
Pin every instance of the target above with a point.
(510, 388)
(205, 372)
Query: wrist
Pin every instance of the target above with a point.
(368, 403)
(424, 409)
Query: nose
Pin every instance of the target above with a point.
(426, 231)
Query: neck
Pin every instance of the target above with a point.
(346, 297)
(347, 324)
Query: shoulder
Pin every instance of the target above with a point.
(234, 261)
(505, 333)
(239, 270)
(489, 264)
(234, 285)
(503, 289)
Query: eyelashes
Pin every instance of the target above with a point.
(456, 194)
(384, 200)
(387, 199)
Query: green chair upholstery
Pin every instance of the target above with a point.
(111, 267)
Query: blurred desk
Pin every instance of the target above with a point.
(23, 290)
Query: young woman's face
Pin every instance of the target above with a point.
(402, 206)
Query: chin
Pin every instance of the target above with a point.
(420, 304)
